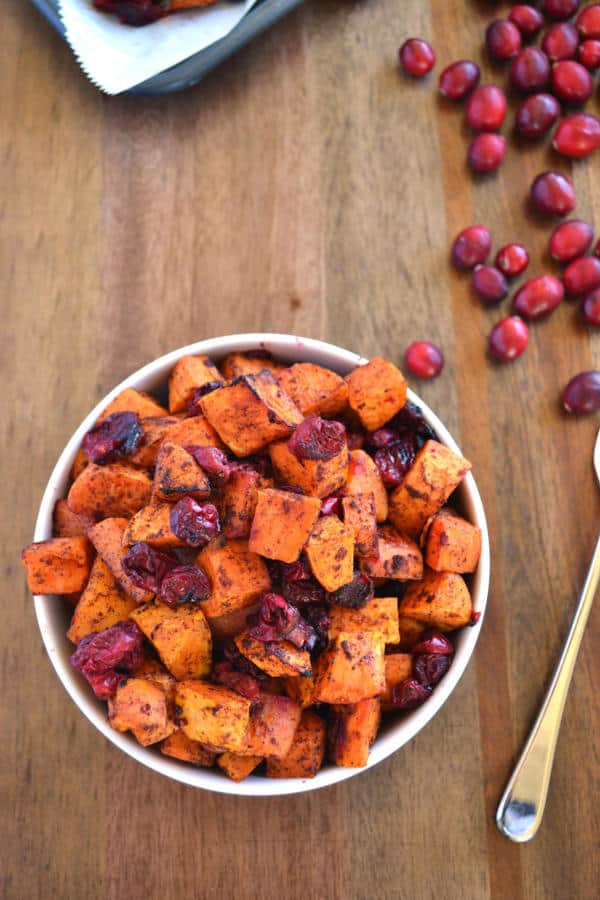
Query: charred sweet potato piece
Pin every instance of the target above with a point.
(66, 524)
(107, 538)
(179, 746)
(410, 631)
(177, 473)
(213, 715)
(239, 497)
(351, 669)
(314, 389)
(180, 636)
(232, 623)
(188, 374)
(193, 431)
(398, 667)
(376, 392)
(141, 706)
(236, 364)
(251, 412)
(58, 566)
(152, 525)
(300, 689)
(282, 523)
(238, 577)
(352, 733)
(305, 756)
(272, 726)
(317, 477)
(101, 605)
(451, 543)
(364, 478)
(238, 767)
(435, 473)
(441, 599)
(330, 552)
(397, 557)
(276, 658)
(380, 614)
(134, 401)
(360, 518)
(109, 491)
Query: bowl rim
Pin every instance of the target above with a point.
(289, 348)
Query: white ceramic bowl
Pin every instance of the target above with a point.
(53, 617)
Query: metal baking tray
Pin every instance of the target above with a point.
(191, 70)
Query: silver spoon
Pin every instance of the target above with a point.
(521, 808)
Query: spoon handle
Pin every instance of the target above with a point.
(521, 808)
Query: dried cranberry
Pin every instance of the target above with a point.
(194, 523)
(147, 567)
(396, 459)
(112, 438)
(331, 506)
(194, 408)
(240, 682)
(409, 694)
(430, 667)
(433, 643)
(212, 461)
(355, 594)
(317, 438)
(103, 658)
(278, 620)
(134, 12)
(184, 584)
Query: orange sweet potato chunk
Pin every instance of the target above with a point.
(272, 726)
(238, 767)
(353, 732)
(178, 474)
(101, 605)
(376, 392)
(188, 374)
(398, 667)
(152, 525)
(58, 566)
(451, 543)
(179, 746)
(411, 631)
(351, 669)
(236, 364)
(213, 715)
(141, 706)
(360, 518)
(113, 490)
(238, 577)
(134, 401)
(66, 524)
(301, 690)
(435, 473)
(251, 412)
(185, 432)
(330, 552)
(107, 538)
(316, 477)
(231, 623)
(441, 599)
(282, 523)
(305, 756)
(397, 557)
(380, 614)
(180, 636)
(314, 389)
(276, 658)
(239, 497)
(364, 478)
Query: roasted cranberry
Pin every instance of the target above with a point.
(242, 664)
(424, 359)
(588, 54)
(382, 437)
(320, 621)
(512, 259)
(486, 108)
(112, 438)
(417, 57)
(184, 584)
(317, 438)
(538, 297)
(355, 594)
(530, 70)
(296, 571)
(474, 618)
(212, 461)
(409, 694)
(486, 152)
(101, 656)
(536, 115)
(489, 284)
(240, 682)
(147, 567)
(394, 460)
(528, 19)
(560, 9)
(303, 593)
(278, 620)
(355, 440)
(578, 135)
(133, 12)
(194, 408)
(588, 21)
(560, 41)
(570, 240)
(331, 506)
(502, 39)
(194, 523)
(582, 276)
(411, 419)
(508, 338)
(571, 82)
(430, 668)
(553, 194)
(591, 309)
(471, 247)
(433, 642)
(459, 79)
(582, 394)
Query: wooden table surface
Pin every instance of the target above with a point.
(305, 187)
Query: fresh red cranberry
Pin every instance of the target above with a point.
(331, 506)
(429, 668)
(489, 284)
(394, 460)
(194, 408)
(278, 620)
(417, 57)
(409, 694)
(570, 240)
(240, 682)
(459, 79)
(194, 523)
(512, 259)
(588, 21)
(134, 12)
(530, 70)
(553, 194)
(486, 153)
(582, 394)
(105, 657)
(591, 309)
(536, 115)
(571, 82)
(508, 338)
(184, 584)
(147, 567)
(317, 438)
(582, 276)
(577, 135)
(433, 642)
(486, 108)
(538, 297)
(112, 438)
(424, 359)
(588, 54)
(502, 39)
(471, 247)
(213, 462)
(355, 594)
(560, 41)
(560, 9)
(528, 19)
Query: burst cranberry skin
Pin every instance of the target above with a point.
(528, 19)
(486, 153)
(354, 595)
(113, 438)
(538, 297)
(424, 359)
(582, 276)
(553, 194)
(530, 70)
(571, 82)
(588, 54)
(133, 12)
(240, 682)
(105, 657)
(512, 259)
(502, 39)
(471, 247)
(433, 642)
(536, 115)
(560, 9)
(431, 668)
(578, 135)
(570, 240)
(184, 584)
(560, 41)
(331, 506)
(459, 79)
(417, 57)
(394, 460)
(508, 339)
(489, 284)
(590, 309)
(588, 21)
(278, 620)
(409, 694)
(194, 523)
(486, 108)
(317, 438)
(147, 567)
(582, 394)
(194, 408)
(213, 462)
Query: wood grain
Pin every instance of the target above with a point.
(306, 187)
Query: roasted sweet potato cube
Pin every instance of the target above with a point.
(273, 724)
(134, 401)
(79, 464)
(251, 412)
(107, 538)
(66, 524)
(300, 689)
(213, 715)
(410, 631)
(330, 552)
(238, 577)
(314, 389)
(185, 432)
(141, 706)
(351, 669)
(282, 523)
(441, 599)
(58, 566)
(238, 767)
(305, 756)
(359, 516)
(276, 658)
(380, 614)
(101, 605)
(353, 732)
(376, 392)
(180, 636)
(155, 429)
(239, 496)
(397, 557)
(153, 670)
(108, 491)
(451, 543)
(236, 364)
(188, 374)
(435, 473)
(177, 474)
(398, 667)
(152, 524)
(364, 478)
(317, 477)
(232, 623)
(179, 746)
